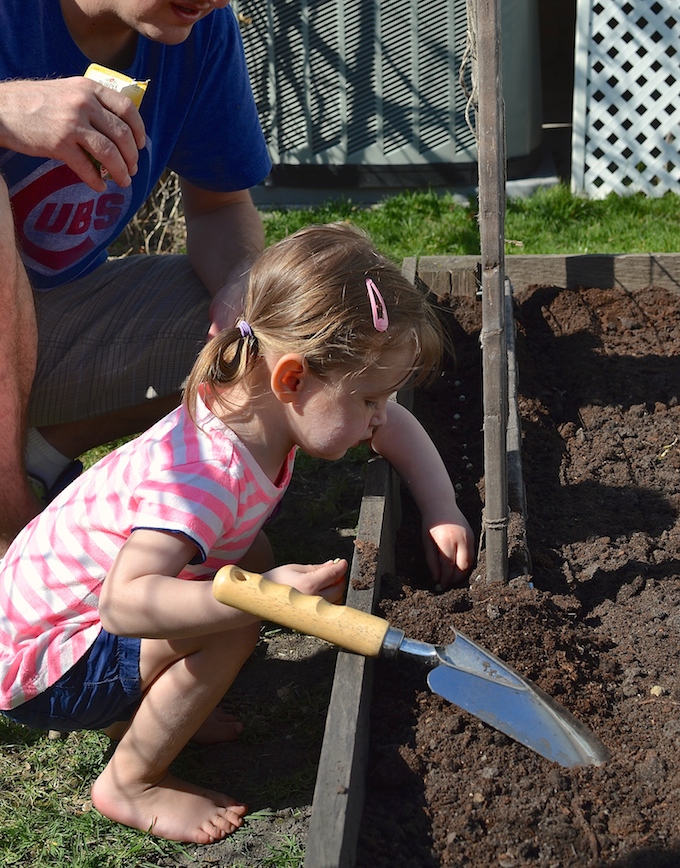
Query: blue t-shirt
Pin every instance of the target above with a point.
(200, 119)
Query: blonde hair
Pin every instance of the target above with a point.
(307, 294)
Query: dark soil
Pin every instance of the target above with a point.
(596, 623)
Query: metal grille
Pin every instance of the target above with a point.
(360, 24)
(626, 120)
(358, 81)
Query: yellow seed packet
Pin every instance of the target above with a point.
(117, 81)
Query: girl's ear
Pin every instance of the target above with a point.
(288, 377)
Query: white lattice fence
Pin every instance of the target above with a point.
(626, 119)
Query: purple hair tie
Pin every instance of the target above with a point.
(245, 329)
(378, 307)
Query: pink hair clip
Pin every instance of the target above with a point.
(378, 308)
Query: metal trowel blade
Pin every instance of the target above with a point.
(474, 679)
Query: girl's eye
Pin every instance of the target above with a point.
(372, 404)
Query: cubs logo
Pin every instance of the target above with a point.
(60, 221)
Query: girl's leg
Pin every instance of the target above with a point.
(219, 726)
(260, 557)
(183, 681)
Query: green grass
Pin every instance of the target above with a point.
(552, 220)
(45, 816)
(91, 457)
(409, 224)
(289, 854)
(47, 820)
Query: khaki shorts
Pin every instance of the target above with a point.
(125, 333)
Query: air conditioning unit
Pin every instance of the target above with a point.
(369, 92)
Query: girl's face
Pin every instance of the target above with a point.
(338, 414)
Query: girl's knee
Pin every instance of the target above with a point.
(251, 636)
(238, 643)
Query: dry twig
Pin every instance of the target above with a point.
(158, 226)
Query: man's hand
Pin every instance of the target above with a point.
(227, 306)
(67, 119)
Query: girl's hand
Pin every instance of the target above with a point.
(324, 580)
(449, 551)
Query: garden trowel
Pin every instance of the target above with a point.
(462, 672)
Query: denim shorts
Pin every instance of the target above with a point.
(102, 688)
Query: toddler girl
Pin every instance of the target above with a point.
(108, 619)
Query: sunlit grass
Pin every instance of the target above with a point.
(421, 223)
(46, 817)
(552, 220)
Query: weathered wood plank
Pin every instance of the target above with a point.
(340, 784)
(519, 556)
(450, 275)
(630, 271)
(409, 268)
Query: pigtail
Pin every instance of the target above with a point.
(224, 360)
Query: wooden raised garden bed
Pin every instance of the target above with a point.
(559, 611)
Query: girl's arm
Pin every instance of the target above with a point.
(448, 538)
(142, 596)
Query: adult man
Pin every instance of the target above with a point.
(90, 349)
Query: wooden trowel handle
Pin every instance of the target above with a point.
(349, 628)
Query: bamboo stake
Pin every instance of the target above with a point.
(491, 163)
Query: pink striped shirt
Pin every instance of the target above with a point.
(196, 479)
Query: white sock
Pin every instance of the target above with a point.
(42, 459)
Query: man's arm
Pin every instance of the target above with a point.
(62, 119)
(224, 235)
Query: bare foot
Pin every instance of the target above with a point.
(219, 727)
(173, 809)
